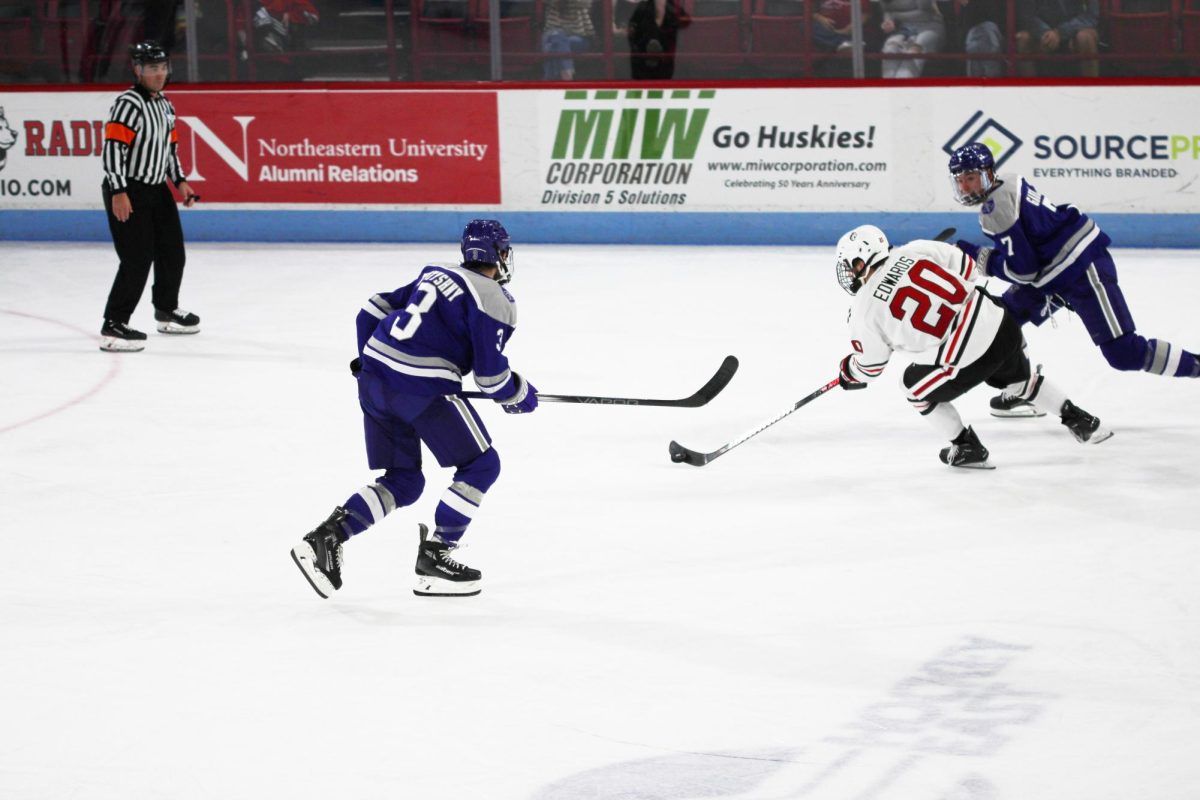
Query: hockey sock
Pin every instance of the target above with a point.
(1189, 365)
(460, 502)
(1048, 397)
(396, 488)
(1133, 352)
(370, 505)
(1026, 389)
(945, 419)
(455, 511)
(1164, 358)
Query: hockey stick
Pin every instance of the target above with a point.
(708, 391)
(682, 455)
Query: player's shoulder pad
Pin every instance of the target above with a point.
(491, 298)
(929, 248)
(1002, 209)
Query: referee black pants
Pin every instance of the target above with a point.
(151, 235)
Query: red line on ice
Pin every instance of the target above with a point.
(113, 368)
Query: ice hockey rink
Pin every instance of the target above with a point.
(826, 612)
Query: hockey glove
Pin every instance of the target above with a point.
(356, 367)
(846, 379)
(968, 247)
(524, 400)
(980, 254)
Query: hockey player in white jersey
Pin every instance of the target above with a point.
(924, 296)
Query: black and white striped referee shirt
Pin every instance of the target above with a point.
(140, 141)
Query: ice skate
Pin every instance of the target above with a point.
(1018, 405)
(177, 321)
(966, 451)
(117, 337)
(1083, 426)
(319, 555)
(439, 575)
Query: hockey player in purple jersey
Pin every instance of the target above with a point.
(415, 345)
(1055, 255)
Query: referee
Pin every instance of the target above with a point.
(140, 155)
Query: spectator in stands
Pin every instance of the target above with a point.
(912, 27)
(653, 30)
(279, 24)
(1058, 26)
(568, 29)
(984, 22)
(831, 25)
(621, 14)
(280, 28)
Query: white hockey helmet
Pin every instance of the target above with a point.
(867, 244)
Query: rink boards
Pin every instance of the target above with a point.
(695, 164)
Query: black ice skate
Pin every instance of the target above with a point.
(177, 321)
(1018, 405)
(117, 337)
(1083, 426)
(439, 575)
(966, 451)
(319, 555)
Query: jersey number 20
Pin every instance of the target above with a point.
(414, 311)
(930, 283)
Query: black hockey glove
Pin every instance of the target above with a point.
(356, 367)
(845, 379)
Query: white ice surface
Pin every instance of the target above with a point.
(825, 612)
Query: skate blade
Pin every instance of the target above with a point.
(1099, 435)
(976, 465)
(306, 561)
(110, 344)
(436, 587)
(174, 327)
(1026, 411)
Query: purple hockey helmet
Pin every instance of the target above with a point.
(484, 241)
(972, 159)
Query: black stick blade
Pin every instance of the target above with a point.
(716, 383)
(682, 455)
(945, 235)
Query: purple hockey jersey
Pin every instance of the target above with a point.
(1036, 241)
(424, 337)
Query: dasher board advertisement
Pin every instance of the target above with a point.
(268, 148)
(857, 149)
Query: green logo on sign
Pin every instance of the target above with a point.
(590, 132)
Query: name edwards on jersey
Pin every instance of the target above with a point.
(891, 279)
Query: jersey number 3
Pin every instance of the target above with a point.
(930, 283)
(414, 311)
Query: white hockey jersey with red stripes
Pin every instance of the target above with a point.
(924, 297)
